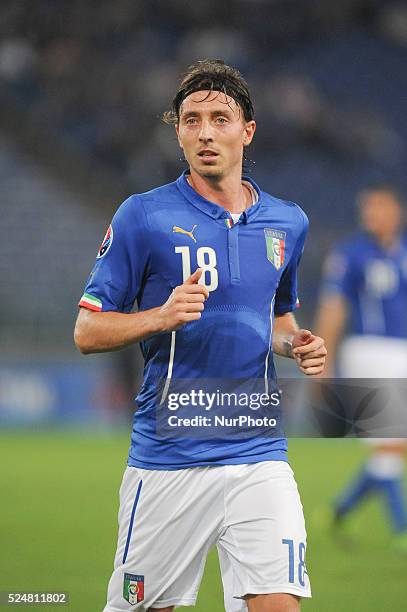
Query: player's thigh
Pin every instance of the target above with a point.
(162, 544)
(262, 549)
(276, 602)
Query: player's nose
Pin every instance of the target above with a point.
(205, 133)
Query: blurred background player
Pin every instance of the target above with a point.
(365, 293)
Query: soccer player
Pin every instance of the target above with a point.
(365, 285)
(211, 261)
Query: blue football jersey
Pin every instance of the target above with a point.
(374, 283)
(156, 240)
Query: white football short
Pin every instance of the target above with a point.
(373, 357)
(168, 521)
(378, 357)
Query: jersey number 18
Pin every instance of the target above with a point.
(205, 259)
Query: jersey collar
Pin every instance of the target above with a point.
(215, 210)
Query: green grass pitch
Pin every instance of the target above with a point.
(59, 497)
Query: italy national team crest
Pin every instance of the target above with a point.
(106, 243)
(275, 243)
(133, 588)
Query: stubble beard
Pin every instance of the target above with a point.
(212, 173)
(212, 176)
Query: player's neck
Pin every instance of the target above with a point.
(387, 241)
(228, 192)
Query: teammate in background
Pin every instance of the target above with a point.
(365, 285)
(212, 263)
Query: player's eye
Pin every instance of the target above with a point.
(191, 121)
(221, 120)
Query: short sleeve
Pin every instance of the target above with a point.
(121, 261)
(338, 274)
(286, 299)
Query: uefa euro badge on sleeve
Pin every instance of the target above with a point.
(133, 588)
(275, 243)
(106, 243)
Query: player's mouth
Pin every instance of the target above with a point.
(208, 155)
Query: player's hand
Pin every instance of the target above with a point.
(185, 303)
(309, 352)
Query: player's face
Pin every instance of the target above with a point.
(212, 132)
(381, 213)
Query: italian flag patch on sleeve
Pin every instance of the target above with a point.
(91, 302)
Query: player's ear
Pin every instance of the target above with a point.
(248, 133)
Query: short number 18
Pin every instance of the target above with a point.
(301, 562)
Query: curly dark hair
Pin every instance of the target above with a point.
(213, 75)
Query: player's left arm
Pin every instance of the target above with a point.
(289, 340)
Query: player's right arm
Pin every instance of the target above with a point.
(106, 321)
(333, 308)
(330, 324)
(97, 332)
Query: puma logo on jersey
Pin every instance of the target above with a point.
(179, 230)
